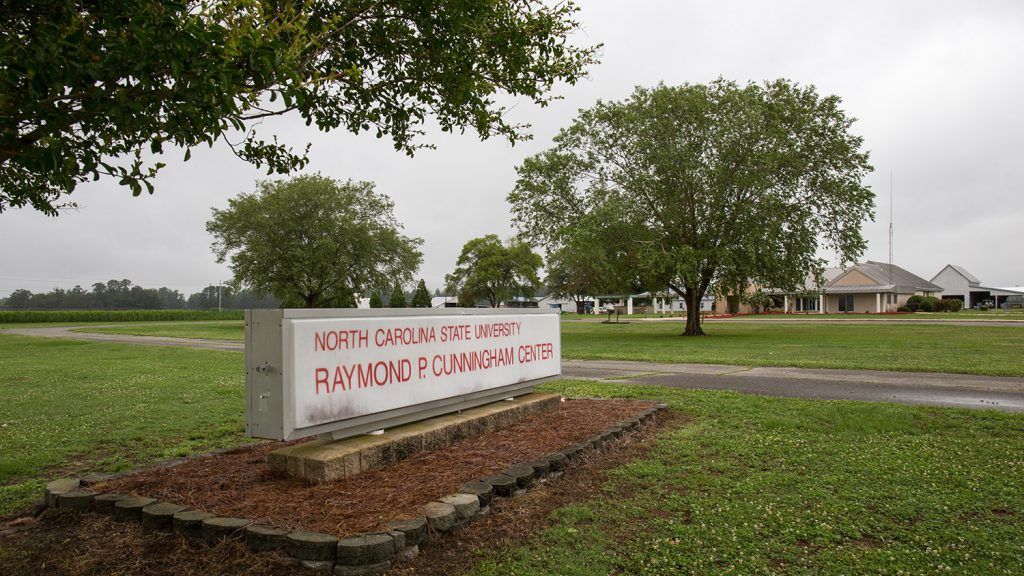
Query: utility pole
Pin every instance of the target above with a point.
(219, 286)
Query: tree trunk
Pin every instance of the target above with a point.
(581, 306)
(692, 298)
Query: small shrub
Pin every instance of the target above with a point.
(915, 299)
(954, 304)
(904, 309)
(926, 306)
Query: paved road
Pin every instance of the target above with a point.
(965, 391)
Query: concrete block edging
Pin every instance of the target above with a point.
(363, 554)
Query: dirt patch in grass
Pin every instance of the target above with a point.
(62, 543)
(240, 484)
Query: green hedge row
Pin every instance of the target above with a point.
(21, 316)
(931, 304)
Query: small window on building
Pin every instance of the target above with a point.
(806, 304)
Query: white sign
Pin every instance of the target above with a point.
(341, 368)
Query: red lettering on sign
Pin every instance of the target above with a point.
(536, 352)
(340, 340)
(459, 362)
(321, 378)
(498, 330)
(353, 376)
(404, 336)
(455, 333)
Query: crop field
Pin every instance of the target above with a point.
(50, 316)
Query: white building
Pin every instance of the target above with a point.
(958, 283)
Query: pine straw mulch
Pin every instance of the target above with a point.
(70, 544)
(239, 484)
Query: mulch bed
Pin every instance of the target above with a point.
(62, 543)
(240, 484)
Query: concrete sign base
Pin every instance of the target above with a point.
(325, 460)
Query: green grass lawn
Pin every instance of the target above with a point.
(780, 486)
(991, 350)
(751, 485)
(988, 350)
(73, 407)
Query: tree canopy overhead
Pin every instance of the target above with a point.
(718, 184)
(495, 271)
(314, 242)
(89, 89)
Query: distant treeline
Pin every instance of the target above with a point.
(123, 295)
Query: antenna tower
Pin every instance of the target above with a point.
(893, 289)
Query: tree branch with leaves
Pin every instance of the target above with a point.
(102, 89)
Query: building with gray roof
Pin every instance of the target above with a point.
(866, 287)
(957, 282)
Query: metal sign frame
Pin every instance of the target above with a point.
(268, 406)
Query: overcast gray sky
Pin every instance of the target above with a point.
(937, 88)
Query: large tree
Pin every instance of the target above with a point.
(719, 184)
(89, 89)
(489, 269)
(313, 242)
